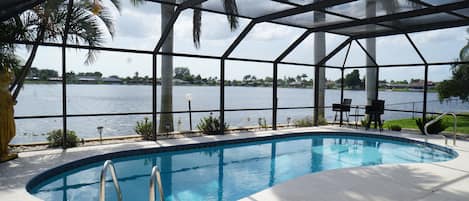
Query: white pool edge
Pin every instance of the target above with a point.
(15, 174)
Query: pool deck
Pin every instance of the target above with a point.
(447, 181)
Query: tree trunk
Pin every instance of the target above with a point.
(370, 86)
(166, 119)
(19, 82)
(319, 54)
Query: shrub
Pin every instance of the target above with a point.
(55, 138)
(145, 129)
(304, 122)
(322, 121)
(435, 128)
(395, 127)
(210, 125)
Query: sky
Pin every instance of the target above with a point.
(139, 28)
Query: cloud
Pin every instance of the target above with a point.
(441, 36)
(133, 23)
(268, 32)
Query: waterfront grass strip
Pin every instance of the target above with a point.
(462, 124)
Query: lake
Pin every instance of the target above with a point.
(46, 99)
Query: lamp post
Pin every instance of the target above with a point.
(100, 131)
(189, 98)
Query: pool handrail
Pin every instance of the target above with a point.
(438, 118)
(155, 174)
(102, 183)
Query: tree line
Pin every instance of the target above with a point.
(183, 76)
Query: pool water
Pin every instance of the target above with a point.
(231, 172)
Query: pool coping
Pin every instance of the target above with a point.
(28, 161)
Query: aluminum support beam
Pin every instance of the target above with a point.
(64, 73)
(416, 28)
(222, 95)
(342, 82)
(294, 11)
(274, 96)
(303, 9)
(425, 87)
(10, 8)
(248, 28)
(396, 16)
(316, 77)
(420, 2)
(169, 26)
(377, 67)
(154, 96)
(292, 46)
(416, 49)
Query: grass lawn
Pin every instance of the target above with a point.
(463, 123)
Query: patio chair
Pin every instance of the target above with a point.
(374, 112)
(344, 107)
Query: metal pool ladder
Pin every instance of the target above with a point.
(438, 118)
(102, 183)
(155, 174)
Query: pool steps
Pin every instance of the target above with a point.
(155, 175)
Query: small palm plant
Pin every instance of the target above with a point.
(145, 129)
(211, 125)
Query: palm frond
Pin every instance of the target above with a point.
(231, 8)
(103, 14)
(84, 28)
(117, 3)
(196, 26)
(108, 20)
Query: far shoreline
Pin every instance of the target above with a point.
(193, 85)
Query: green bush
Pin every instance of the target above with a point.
(322, 121)
(211, 126)
(435, 128)
(395, 127)
(145, 129)
(304, 122)
(55, 138)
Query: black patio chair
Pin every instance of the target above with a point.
(344, 107)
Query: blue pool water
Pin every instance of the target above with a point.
(231, 172)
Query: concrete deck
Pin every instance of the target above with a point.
(432, 181)
(441, 181)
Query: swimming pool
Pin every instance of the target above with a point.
(230, 170)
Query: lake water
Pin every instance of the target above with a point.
(37, 99)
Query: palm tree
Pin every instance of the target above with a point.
(319, 54)
(166, 118)
(167, 10)
(46, 22)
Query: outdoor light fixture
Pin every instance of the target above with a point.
(100, 131)
(189, 99)
(167, 126)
